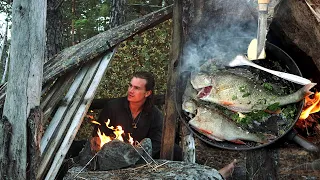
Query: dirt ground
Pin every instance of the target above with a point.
(293, 161)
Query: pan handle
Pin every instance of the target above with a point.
(294, 136)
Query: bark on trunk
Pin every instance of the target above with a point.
(5, 134)
(169, 125)
(54, 29)
(118, 12)
(25, 78)
(35, 131)
(4, 44)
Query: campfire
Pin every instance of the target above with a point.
(114, 151)
(118, 132)
(309, 118)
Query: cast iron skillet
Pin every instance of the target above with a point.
(276, 59)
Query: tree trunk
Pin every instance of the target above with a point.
(169, 125)
(53, 29)
(25, 78)
(4, 44)
(118, 12)
(5, 70)
(72, 23)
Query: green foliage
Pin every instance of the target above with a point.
(90, 18)
(148, 51)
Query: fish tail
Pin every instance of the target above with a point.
(298, 95)
(306, 89)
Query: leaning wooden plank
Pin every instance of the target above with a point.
(63, 109)
(56, 93)
(78, 118)
(99, 44)
(58, 125)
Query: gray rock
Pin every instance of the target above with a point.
(117, 154)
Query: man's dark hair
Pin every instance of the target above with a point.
(149, 86)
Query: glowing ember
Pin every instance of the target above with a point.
(118, 131)
(311, 105)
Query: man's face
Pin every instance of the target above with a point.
(137, 90)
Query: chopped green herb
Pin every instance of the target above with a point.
(267, 86)
(274, 107)
(234, 97)
(289, 112)
(246, 94)
(242, 88)
(262, 101)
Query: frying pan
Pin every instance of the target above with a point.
(278, 60)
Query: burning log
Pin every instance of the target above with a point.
(306, 119)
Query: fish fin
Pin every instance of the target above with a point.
(215, 138)
(273, 112)
(205, 131)
(226, 103)
(237, 141)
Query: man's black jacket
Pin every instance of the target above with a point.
(149, 124)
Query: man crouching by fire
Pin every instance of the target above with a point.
(136, 114)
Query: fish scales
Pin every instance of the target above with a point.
(217, 126)
(242, 94)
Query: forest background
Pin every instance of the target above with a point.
(72, 21)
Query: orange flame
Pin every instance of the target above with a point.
(311, 105)
(118, 131)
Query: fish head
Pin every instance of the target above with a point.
(200, 80)
(189, 106)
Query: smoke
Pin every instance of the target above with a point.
(223, 30)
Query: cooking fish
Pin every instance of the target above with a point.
(201, 80)
(188, 99)
(217, 126)
(242, 94)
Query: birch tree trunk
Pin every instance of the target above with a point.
(25, 78)
(4, 43)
